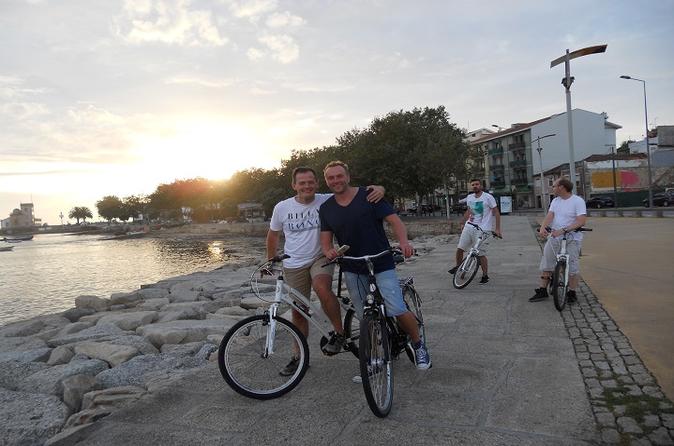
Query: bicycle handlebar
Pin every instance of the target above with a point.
(581, 229)
(491, 232)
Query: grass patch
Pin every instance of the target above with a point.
(636, 406)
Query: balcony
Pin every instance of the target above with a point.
(518, 163)
(496, 151)
(520, 181)
(497, 167)
(516, 145)
(497, 183)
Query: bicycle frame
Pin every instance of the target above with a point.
(284, 293)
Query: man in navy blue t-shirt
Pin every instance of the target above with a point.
(354, 221)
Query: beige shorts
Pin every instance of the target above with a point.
(301, 278)
(469, 236)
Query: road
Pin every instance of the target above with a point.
(628, 263)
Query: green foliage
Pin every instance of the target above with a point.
(109, 207)
(408, 152)
(80, 212)
(624, 147)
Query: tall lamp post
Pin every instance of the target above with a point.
(648, 147)
(539, 149)
(567, 80)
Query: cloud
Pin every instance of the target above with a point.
(82, 133)
(284, 20)
(11, 88)
(172, 22)
(283, 47)
(252, 9)
(200, 82)
(255, 54)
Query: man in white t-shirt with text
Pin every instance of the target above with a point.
(482, 211)
(297, 217)
(566, 214)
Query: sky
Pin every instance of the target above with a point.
(111, 97)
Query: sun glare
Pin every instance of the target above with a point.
(203, 148)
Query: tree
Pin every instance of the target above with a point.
(625, 147)
(109, 207)
(133, 206)
(80, 212)
(411, 153)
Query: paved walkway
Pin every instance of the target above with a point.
(505, 371)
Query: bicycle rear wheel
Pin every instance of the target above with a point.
(376, 368)
(559, 286)
(252, 373)
(466, 271)
(413, 303)
(352, 331)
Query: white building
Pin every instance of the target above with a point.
(512, 159)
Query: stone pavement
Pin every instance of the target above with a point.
(505, 371)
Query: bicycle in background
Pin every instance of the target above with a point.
(559, 283)
(471, 262)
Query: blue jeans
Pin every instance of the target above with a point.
(389, 287)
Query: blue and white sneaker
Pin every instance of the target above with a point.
(422, 358)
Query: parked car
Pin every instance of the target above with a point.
(661, 199)
(600, 202)
(425, 209)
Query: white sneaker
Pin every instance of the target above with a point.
(357, 379)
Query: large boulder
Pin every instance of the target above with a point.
(23, 328)
(60, 355)
(133, 340)
(147, 368)
(88, 334)
(92, 302)
(12, 373)
(113, 397)
(74, 328)
(39, 355)
(74, 388)
(74, 314)
(110, 353)
(183, 331)
(29, 418)
(152, 293)
(21, 344)
(49, 380)
(124, 298)
(154, 304)
(129, 321)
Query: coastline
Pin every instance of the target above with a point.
(63, 371)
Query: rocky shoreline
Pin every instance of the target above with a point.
(62, 372)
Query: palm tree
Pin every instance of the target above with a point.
(80, 212)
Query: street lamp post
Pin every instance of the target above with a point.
(648, 147)
(615, 184)
(567, 80)
(539, 149)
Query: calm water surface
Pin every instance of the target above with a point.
(46, 274)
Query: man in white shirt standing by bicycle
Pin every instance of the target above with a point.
(482, 211)
(567, 213)
(297, 217)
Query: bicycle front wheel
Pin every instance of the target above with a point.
(559, 286)
(352, 331)
(413, 304)
(466, 271)
(376, 368)
(253, 372)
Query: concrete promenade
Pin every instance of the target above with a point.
(505, 371)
